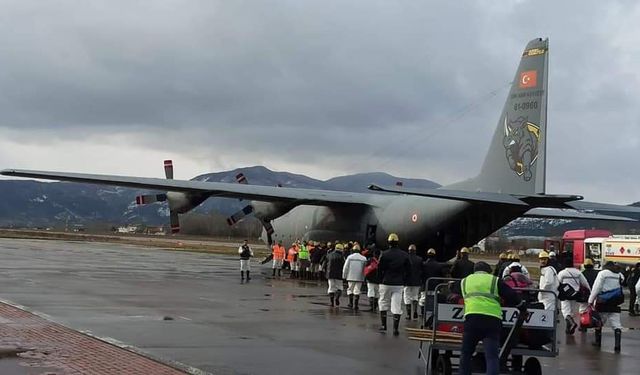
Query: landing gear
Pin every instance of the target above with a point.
(532, 367)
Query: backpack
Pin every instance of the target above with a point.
(372, 267)
(568, 293)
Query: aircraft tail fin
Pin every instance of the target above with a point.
(516, 161)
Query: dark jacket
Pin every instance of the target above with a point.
(498, 269)
(555, 264)
(462, 268)
(394, 267)
(373, 276)
(633, 278)
(590, 274)
(432, 268)
(334, 264)
(317, 254)
(415, 277)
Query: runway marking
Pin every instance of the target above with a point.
(185, 318)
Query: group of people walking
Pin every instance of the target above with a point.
(394, 277)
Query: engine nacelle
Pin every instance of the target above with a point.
(268, 210)
(185, 202)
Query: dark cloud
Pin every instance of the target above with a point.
(330, 87)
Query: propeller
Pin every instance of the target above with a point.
(249, 209)
(152, 198)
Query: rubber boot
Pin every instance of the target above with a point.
(350, 305)
(598, 339)
(274, 272)
(570, 325)
(241, 275)
(338, 294)
(248, 277)
(408, 308)
(396, 324)
(383, 321)
(376, 305)
(415, 309)
(279, 272)
(356, 301)
(618, 337)
(422, 312)
(372, 304)
(332, 297)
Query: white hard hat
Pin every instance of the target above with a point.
(552, 255)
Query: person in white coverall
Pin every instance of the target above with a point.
(548, 281)
(570, 307)
(608, 280)
(353, 272)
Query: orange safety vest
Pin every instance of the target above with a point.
(291, 256)
(278, 252)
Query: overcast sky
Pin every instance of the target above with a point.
(322, 88)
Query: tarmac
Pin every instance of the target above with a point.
(191, 311)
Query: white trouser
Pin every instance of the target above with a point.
(354, 288)
(411, 294)
(391, 296)
(613, 319)
(571, 308)
(372, 290)
(334, 285)
(245, 265)
(277, 263)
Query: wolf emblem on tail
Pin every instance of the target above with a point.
(521, 139)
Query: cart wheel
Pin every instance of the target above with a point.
(443, 365)
(516, 363)
(532, 366)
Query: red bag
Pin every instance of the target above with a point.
(590, 318)
(372, 267)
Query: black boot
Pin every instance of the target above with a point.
(355, 303)
(338, 294)
(598, 341)
(376, 305)
(415, 309)
(248, 277)
(350, 305)
(372, 304)
(408, 307)
(422, 312)
(279, 272)
(618, 337)
(241, 275)
(274, 272)
(570, 325)
(332, 297)
(383, 321)
(396, 324)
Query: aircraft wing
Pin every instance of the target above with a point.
(605, 207)
(214, 189)
(556, 213)
(458, 195)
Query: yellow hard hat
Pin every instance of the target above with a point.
(543, 255)
(339, 246)
(431, 251)
(588, 262)
(393, 238)
(503, 256)
(464, 250)
(510, 256)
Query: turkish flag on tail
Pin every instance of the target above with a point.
(528, 79)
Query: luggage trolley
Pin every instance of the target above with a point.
(532, 336)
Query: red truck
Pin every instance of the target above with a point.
(599, 245)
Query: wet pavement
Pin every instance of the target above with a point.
(192, 308)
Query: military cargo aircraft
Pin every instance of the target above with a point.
(511, 184)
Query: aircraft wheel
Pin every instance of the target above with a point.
(516, 363)
(532, 366)
(443, 365)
